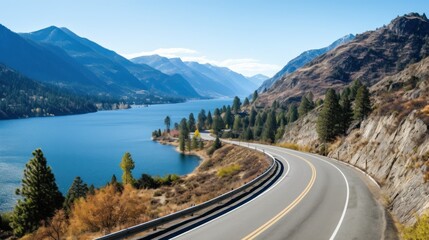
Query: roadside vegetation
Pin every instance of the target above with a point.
(86, 212)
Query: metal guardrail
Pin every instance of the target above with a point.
(188, 211)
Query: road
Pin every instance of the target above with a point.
(315, 198)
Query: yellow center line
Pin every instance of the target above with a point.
(285, 211)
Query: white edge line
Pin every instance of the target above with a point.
(337, 228)
(223, 215)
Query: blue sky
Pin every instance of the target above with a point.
(248, 36)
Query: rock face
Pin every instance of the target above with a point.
(369, 57)
(392, 153)
(392, 144)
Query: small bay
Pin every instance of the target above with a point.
(92, 145)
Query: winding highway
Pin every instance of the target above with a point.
(315, 198)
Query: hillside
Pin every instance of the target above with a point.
(370, 57)
(21, 97)
(392, 144)
(110, 68)
(302, 60)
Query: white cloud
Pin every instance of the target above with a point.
(165, 52)
(245, 66)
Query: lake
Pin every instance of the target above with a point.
(91, 145)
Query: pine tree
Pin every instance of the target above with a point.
(183, 134)
(217, 143)
(362, 104)
(252, 117)
(346, 113)
(304, 107)
(77, 190)
(191, 123)
(292, 114)
(237, 125)
(127, 165)
(40, 196)
(194, 142)
(270, 128)
(167, 122)
(257, 129)
(228, 118)
(114, 182)
(356, 84)
(209, 120)
(327, 122)
(201, 120)
(255, 96)
(236, 105)
(246, 102)
(91, 190)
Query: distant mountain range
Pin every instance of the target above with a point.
(111, 69)
(369, 57)
(301, 60)
(60, 57)
(207, 79)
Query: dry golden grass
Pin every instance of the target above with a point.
(294, 146)
(108, 210)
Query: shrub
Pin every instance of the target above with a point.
(228, 170)
(5, 219)
(420, 230)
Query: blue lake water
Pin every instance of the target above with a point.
(92, 145)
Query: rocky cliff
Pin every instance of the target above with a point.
(369, 57)
(392, 144)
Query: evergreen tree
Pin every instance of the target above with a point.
(237, 125)
(346, 113)
(167, 122)
(117, 185)
(252, 117)
(356, 84)
(270, 128)
(191, 123)
(200, 144)
(201, 120)
(255, 96)
(362, 104)
(292, 113)
(189, 145)
(236, 105)
(194, 142)
(304, 107)
(327, 122)
(77, 190)
(209, 120)
(248, 135)
(183, 134)
(217, 143)
(257, 130)
(127, 165)
(217, 124)
(91, 190)
(40, 196)
(228, 118)
(246, 102)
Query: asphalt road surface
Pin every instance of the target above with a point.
(315, 198)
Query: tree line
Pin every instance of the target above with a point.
(247, 122)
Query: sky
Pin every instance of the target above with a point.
(248, 36)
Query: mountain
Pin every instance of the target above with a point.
(111, 68)
(46, 65)
(369, 57)
(257, 79)
(301, 60)
(22, 97)
(204, 85)
(232, 80)
(208, 80)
